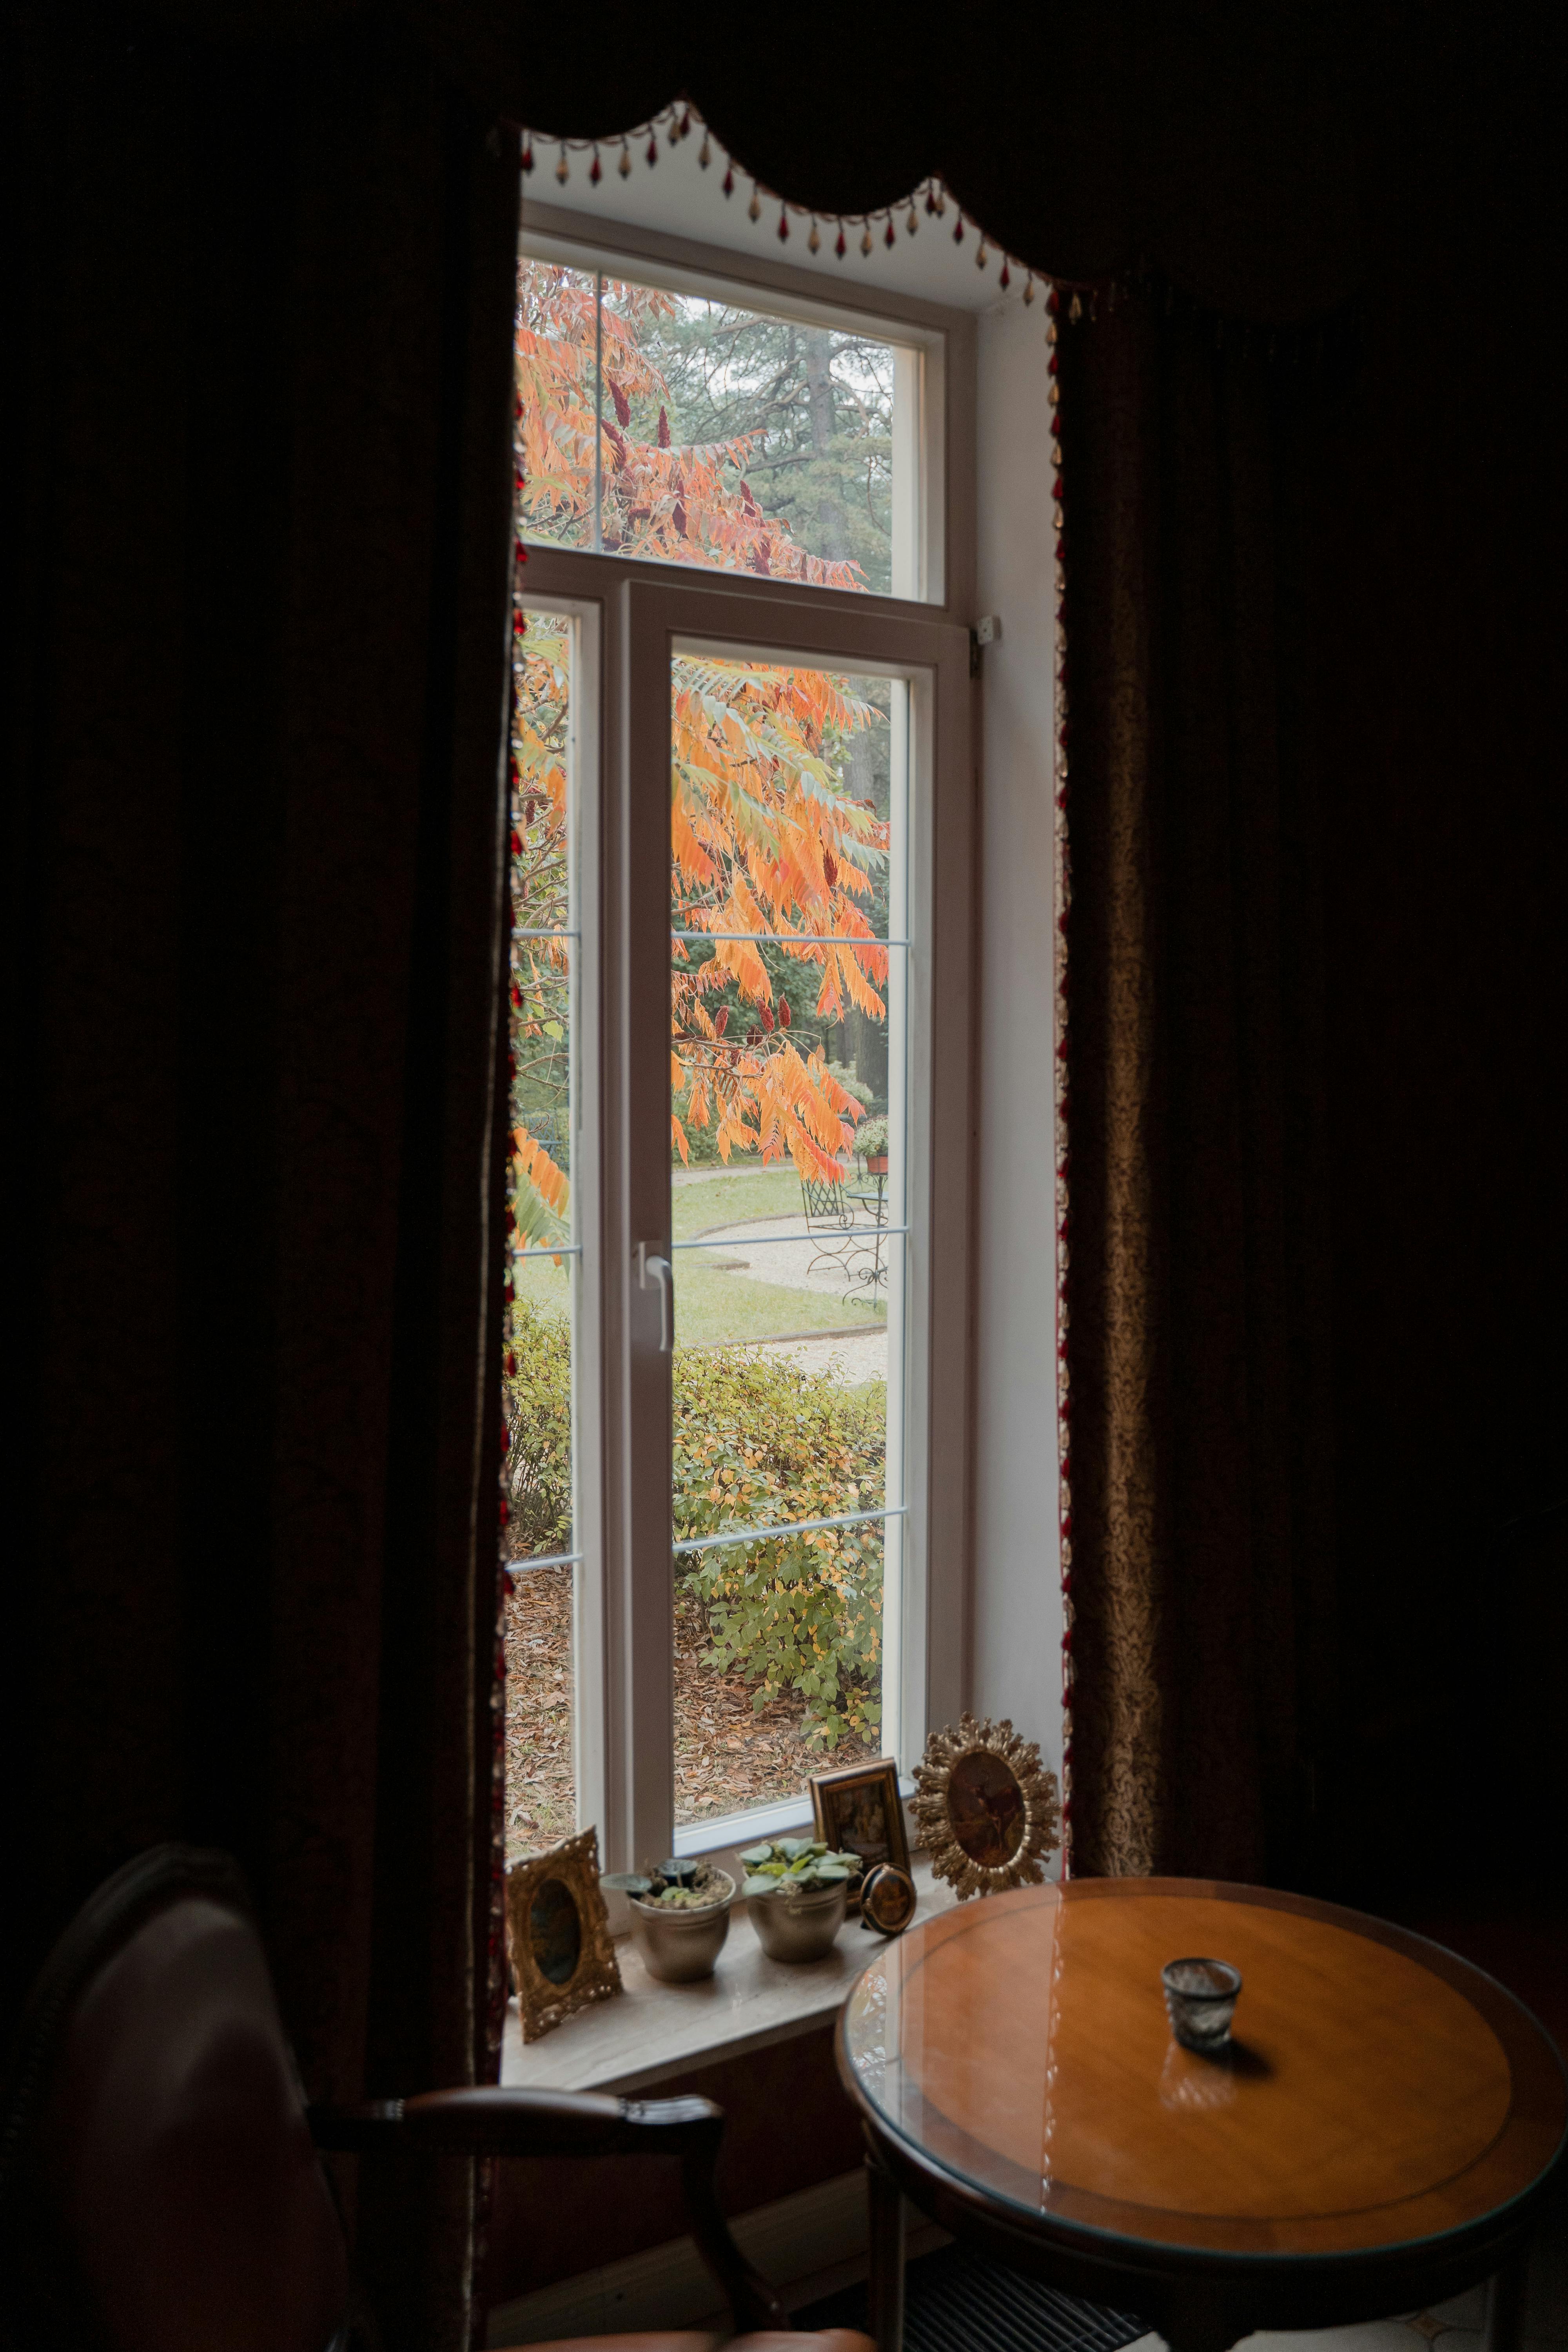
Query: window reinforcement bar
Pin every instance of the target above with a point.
(780, 938)
(791, 1528)
(828, 1233)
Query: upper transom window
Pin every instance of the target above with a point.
(686, 428)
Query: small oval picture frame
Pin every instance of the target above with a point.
(558, 1934)
(888, 1899)
(987, 1808)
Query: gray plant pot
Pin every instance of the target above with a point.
(679, 1946)
(799, 1926)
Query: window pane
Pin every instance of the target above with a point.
(701, 433)
(787, 839)
(557, 397)
(546, 1263)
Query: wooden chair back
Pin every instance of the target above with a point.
(160, 2189)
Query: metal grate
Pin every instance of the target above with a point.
(957, 2302)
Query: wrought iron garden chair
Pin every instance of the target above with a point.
(845, 1241)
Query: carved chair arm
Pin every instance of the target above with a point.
(489, 2122)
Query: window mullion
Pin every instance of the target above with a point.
(648, 1683)
(591, 1702)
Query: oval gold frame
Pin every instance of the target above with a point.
(1042, 1811)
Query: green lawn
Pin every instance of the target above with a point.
(713, 1306)
(735, 1200)
(546, 1285)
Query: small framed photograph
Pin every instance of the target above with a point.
(857, 1810)
(558, 1935)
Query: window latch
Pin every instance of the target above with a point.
(987, 631)
(658, 1272)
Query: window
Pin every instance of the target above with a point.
(741, 794)
(687, 429)
(548, 1409)
(791, 1052)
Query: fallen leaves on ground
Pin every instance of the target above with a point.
(728, 1756)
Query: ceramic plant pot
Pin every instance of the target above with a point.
(799, 1926)
(680, 1946)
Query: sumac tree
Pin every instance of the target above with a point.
(765, 836)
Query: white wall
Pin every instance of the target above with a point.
(1017, 1620)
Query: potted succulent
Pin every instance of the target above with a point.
(871, 1143)
(798, 1889)
(680, 1916)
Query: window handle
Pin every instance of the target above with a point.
(652, 1270)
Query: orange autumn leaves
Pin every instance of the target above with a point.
(764, 842)
(688, 504)
(764, 839)
(540, 987)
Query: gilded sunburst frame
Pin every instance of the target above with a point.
(987, 1808)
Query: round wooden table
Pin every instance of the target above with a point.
(1377, 2137)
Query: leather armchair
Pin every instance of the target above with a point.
(160, 2185)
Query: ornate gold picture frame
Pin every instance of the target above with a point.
(856, 1808)
(558, 1934)
(987, 1808)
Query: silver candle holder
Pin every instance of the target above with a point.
(1200, 1998)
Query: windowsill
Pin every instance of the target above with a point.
(655, 2032)
(743, 1829)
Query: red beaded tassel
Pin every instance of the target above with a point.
(1062, 1105)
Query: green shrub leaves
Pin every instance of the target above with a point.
(757, 1441)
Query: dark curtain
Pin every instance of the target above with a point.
(255, 397)
(1197, 1340)
(1445, 582)
(258, 374)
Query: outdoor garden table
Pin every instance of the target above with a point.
(873, 1276)
(855, 1248)
(877, 1200)
(1377, 2137)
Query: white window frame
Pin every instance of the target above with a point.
(933, 430)
(630, 615)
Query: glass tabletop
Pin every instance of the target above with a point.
(1375, 2089)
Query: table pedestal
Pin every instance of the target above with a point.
(885, 2279)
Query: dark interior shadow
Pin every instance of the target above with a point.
(1240, 2058)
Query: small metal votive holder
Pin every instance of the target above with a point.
(1200, 1995)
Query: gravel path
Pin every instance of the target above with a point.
(796, 1264)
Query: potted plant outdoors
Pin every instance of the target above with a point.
(680, 1916)
(799, 1890)
(871, 1143)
